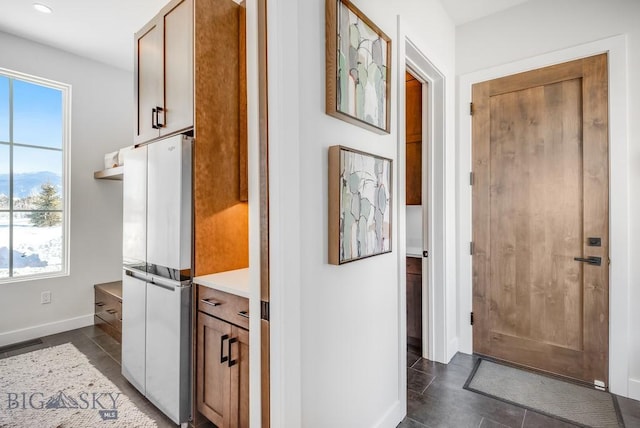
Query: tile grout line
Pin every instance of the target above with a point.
(428, 385)
(524, 417)
(480, 424)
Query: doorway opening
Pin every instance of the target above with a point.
(415, 111)
(425, 220)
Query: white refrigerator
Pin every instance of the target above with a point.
(157, 273)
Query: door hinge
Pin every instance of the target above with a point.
(471, 178)
(472, 247)
(264, 310)
(471, 109)
(471, 318)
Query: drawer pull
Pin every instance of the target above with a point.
(244, 314)
(112, 311)
(210, 302)
(231, 341)
(222, 357)
(99, 303)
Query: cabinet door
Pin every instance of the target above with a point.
(240, 379)
(413, 113)
(414, 301)
(178, 68)
(148, 80)
(213, 375)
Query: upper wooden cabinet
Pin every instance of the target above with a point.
(190, 74)
(413, 113)
(164, 73)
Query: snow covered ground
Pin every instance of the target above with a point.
(44, 242)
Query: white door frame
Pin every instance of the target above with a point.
(618, 203)
(433, 197)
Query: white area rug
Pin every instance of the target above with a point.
(58, 387)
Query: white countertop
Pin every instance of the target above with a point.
(414, 252)
(233, 281)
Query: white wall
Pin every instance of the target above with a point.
(102, 121)
(544, 26)
(335, 329)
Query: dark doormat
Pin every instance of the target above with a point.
(576, 404)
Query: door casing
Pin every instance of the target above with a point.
(619, 382)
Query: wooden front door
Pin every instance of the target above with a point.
(540, 200)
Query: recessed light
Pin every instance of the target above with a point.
(42, 8)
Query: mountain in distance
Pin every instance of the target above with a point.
(28, 183)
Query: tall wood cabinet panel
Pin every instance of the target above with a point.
(221, 218)
(164, 73)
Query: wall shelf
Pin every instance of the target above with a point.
(109, 174)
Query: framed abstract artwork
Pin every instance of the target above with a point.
(358, 68)
(359, 205)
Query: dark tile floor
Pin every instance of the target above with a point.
(435, 398)
(104, 353)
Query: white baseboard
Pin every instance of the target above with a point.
(392, 417)
(452, 349)
(634, 389)
(41, 330)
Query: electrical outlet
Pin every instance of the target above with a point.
(45, 297)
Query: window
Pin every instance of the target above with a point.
(34, 144)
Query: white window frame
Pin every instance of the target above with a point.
(65, 90)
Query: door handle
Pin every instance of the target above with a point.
(594, 261)
(231, 342)
(222, 357)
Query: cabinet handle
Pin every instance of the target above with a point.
(210, 302)
(222, 357)
(230, 342)
(154, 116)
(99, 303)
(112, 311)
(158, 111)
(244, 314)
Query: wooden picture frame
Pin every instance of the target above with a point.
(360, 205)
(358, 68)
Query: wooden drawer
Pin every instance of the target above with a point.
(414, 265)
(228, 307)
(108, 308)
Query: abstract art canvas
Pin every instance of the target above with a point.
(359, 205)
(358, 68)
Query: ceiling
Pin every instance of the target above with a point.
(100, 30)
(103, 30)
(463, 11)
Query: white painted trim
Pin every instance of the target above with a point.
(634, 389)
(401, 222)
(42, 330)
(434, 224)
(253, 151)
(619, 328)
(284, 225)
(396, 412)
